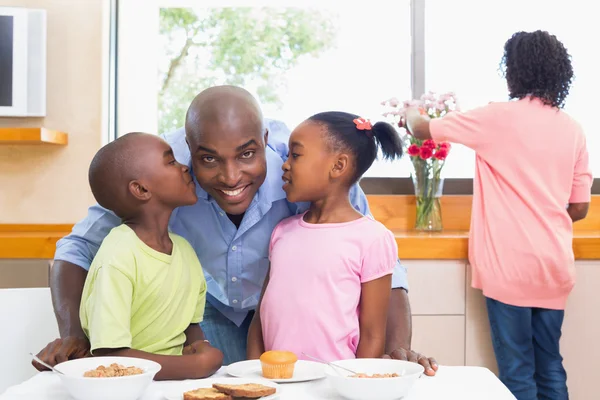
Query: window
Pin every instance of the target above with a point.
(344, 56)
(297, 58)
(464, 42)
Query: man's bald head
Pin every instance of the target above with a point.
(228, 146)
(224, 107)
(113, 167)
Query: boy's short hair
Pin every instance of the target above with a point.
(111, 170)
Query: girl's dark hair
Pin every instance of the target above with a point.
(537, 64)
(343, 134)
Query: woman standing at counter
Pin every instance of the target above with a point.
(532, 171)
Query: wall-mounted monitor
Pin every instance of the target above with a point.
(22, 62)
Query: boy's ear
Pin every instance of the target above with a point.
(139, 191)
(340, 166)
(266, 137)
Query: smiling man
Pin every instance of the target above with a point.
(235, 157)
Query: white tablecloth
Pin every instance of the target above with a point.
(450, 383)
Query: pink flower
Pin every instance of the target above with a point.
(430, 144)
(429, 96)
(393, 102)
(412, 103)
(448, 96)
(426, 153)
(414, 150)
(440, 106)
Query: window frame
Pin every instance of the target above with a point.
(371, 185)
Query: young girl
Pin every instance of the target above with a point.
(532, 171)
(329, 283)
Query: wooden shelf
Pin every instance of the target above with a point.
(32, 136)
(395, 212)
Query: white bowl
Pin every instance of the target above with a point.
(374, 388)
(120, 388)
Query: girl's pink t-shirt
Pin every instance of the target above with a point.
(531, 160)
(312, 301)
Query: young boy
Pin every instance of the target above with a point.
(144, 295)
(532, 181)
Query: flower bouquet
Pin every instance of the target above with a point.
(427, 157)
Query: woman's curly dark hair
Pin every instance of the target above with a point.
(537, 64)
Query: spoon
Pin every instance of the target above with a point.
(330, 364)
(46, 365)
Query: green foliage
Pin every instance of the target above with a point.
(237, 46)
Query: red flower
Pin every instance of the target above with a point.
(445, 145)
(426, 153)
(414, 150)
(429, 144)
(441, 154)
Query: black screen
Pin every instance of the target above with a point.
(6, 60)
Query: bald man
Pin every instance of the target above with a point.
(235, 157)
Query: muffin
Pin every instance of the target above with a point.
(278, 364)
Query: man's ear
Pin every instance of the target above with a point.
(139, 191)
(340, 167)
(266, 137)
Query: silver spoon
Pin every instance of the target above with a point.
(330, 364)
(46, 365)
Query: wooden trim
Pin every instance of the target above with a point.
(29, 244)
(32, 136)
(31, 241)
(587, 246)
(452, 186)
(455, 246)
(432, 246)
(12, 228)
(396, 212)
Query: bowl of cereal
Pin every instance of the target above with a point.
(100, 378)
(375, 378)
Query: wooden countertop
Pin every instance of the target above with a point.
(396, 212)
(454, 245)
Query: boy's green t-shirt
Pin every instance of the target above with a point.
(136, 297)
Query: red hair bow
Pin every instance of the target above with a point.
(363, 124)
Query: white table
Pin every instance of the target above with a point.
(450, 383)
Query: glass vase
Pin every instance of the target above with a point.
(428, 191)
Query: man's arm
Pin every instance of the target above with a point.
(399, 322)
(66, 286)
(73, 257)
(374, 299)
